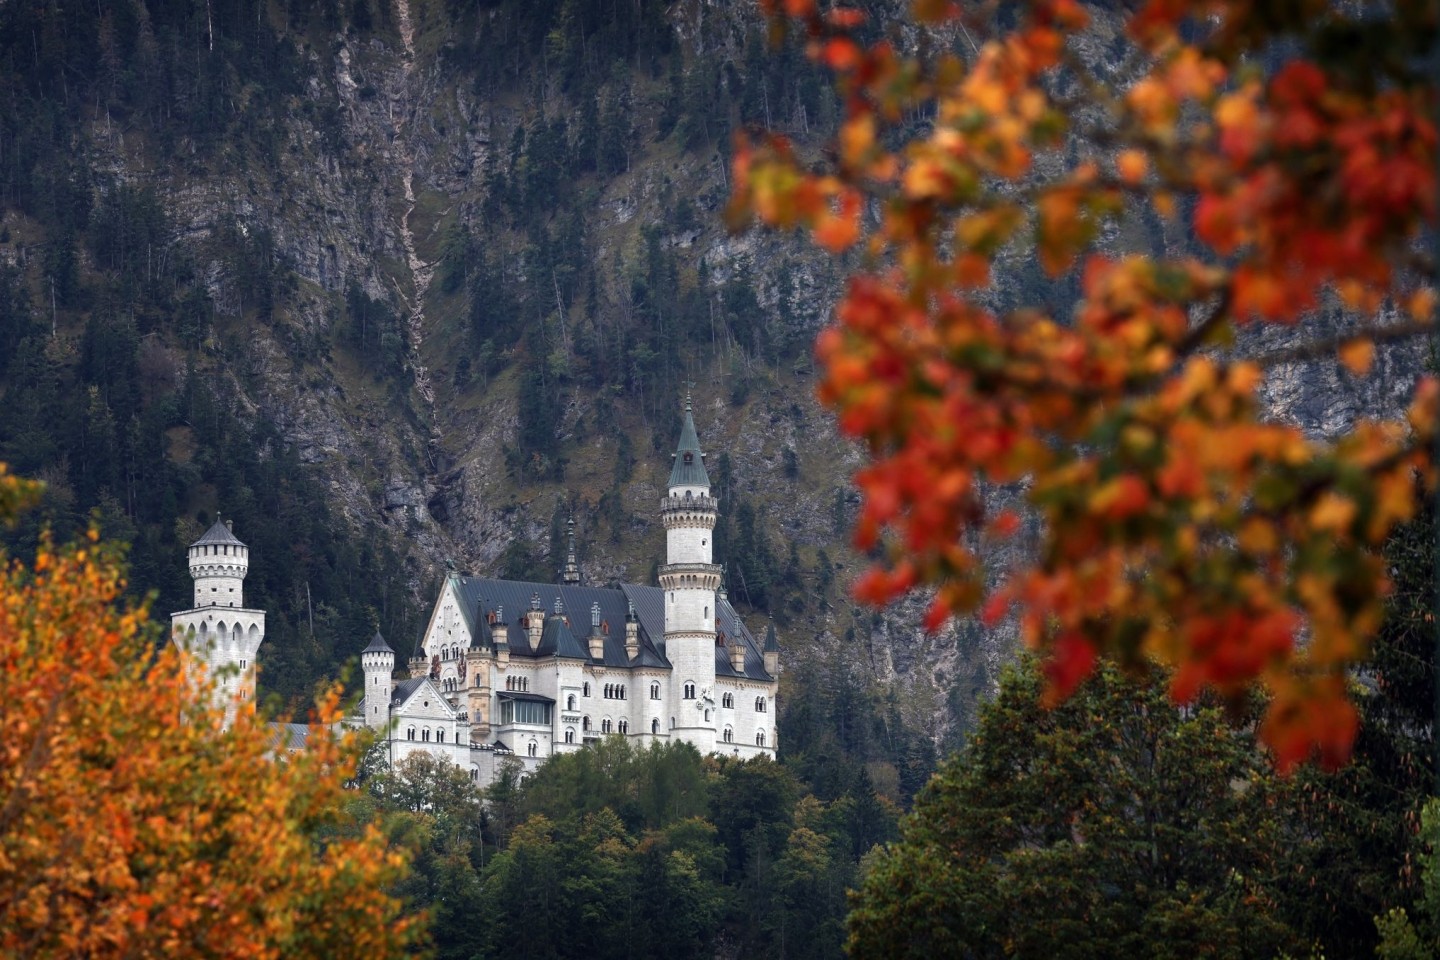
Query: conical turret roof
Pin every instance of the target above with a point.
(378, 644)
(218, 533)
(689, 468)
(771, 644)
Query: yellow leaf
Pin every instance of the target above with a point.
(1357, 355)
(1333, 512)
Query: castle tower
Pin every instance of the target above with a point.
(219, 632)
(378, 662)
(690, 580)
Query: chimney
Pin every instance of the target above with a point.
(535, 624)
(632, 634)
(597, 639)
(500, 635)
(737, 654)
(230, 525)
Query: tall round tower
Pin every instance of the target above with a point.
(219, 634)
(218, 564)
(690, 580)
(378, 662)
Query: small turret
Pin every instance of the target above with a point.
(535, 625)
(772, 651)
(378, 662)
(632, 632)
(597, 639)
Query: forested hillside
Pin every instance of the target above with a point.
(388, 284)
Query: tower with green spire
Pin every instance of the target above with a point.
(690, 580)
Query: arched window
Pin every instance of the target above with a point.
(570, 702)
(410, 734)
(728, 701)
(759, 704)
(474, 774)
(654, 691)
(672, 723)
(440, 736)
(622, 691)
(425, 735)
(569, 734)
(760, 738)
(607, 691)
(655, 725)
(707, 612)
(624, 726)
(707, 716)
(689, 691)
(605, 725)
(729, 735)
(584, 723)
(586, 691)
(534, 749)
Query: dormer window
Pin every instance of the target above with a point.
(689, 457)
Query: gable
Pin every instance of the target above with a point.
(451, 622)
(424, 701)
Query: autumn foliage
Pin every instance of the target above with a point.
(131, 824)
(1178, 523)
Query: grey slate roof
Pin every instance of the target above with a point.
(378, 645)
(481, 596)
(771, 644)
(530, 697)
(218, 533)
(288, 736)
(689, 468)
(403, 689)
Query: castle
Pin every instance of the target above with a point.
(518, 672)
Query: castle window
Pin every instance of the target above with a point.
(654, 691)
(569, 734)
(585, 723)
(689, 691)
(624, 726)
(242, 664)
(570, 702)
(534, 749)
(410, 734)
(760, 739)
(586, 690)
(425, 735)
(728, 701)
(655, 725)
(607, 691)
(440, 736)
(759, 704)
(605, 725)
(707, 716)
(622, 691)
(707, 613)
(474, 774)
(729, 735)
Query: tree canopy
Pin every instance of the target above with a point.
(1115, 825)
(1292, 152)
(132, 823)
